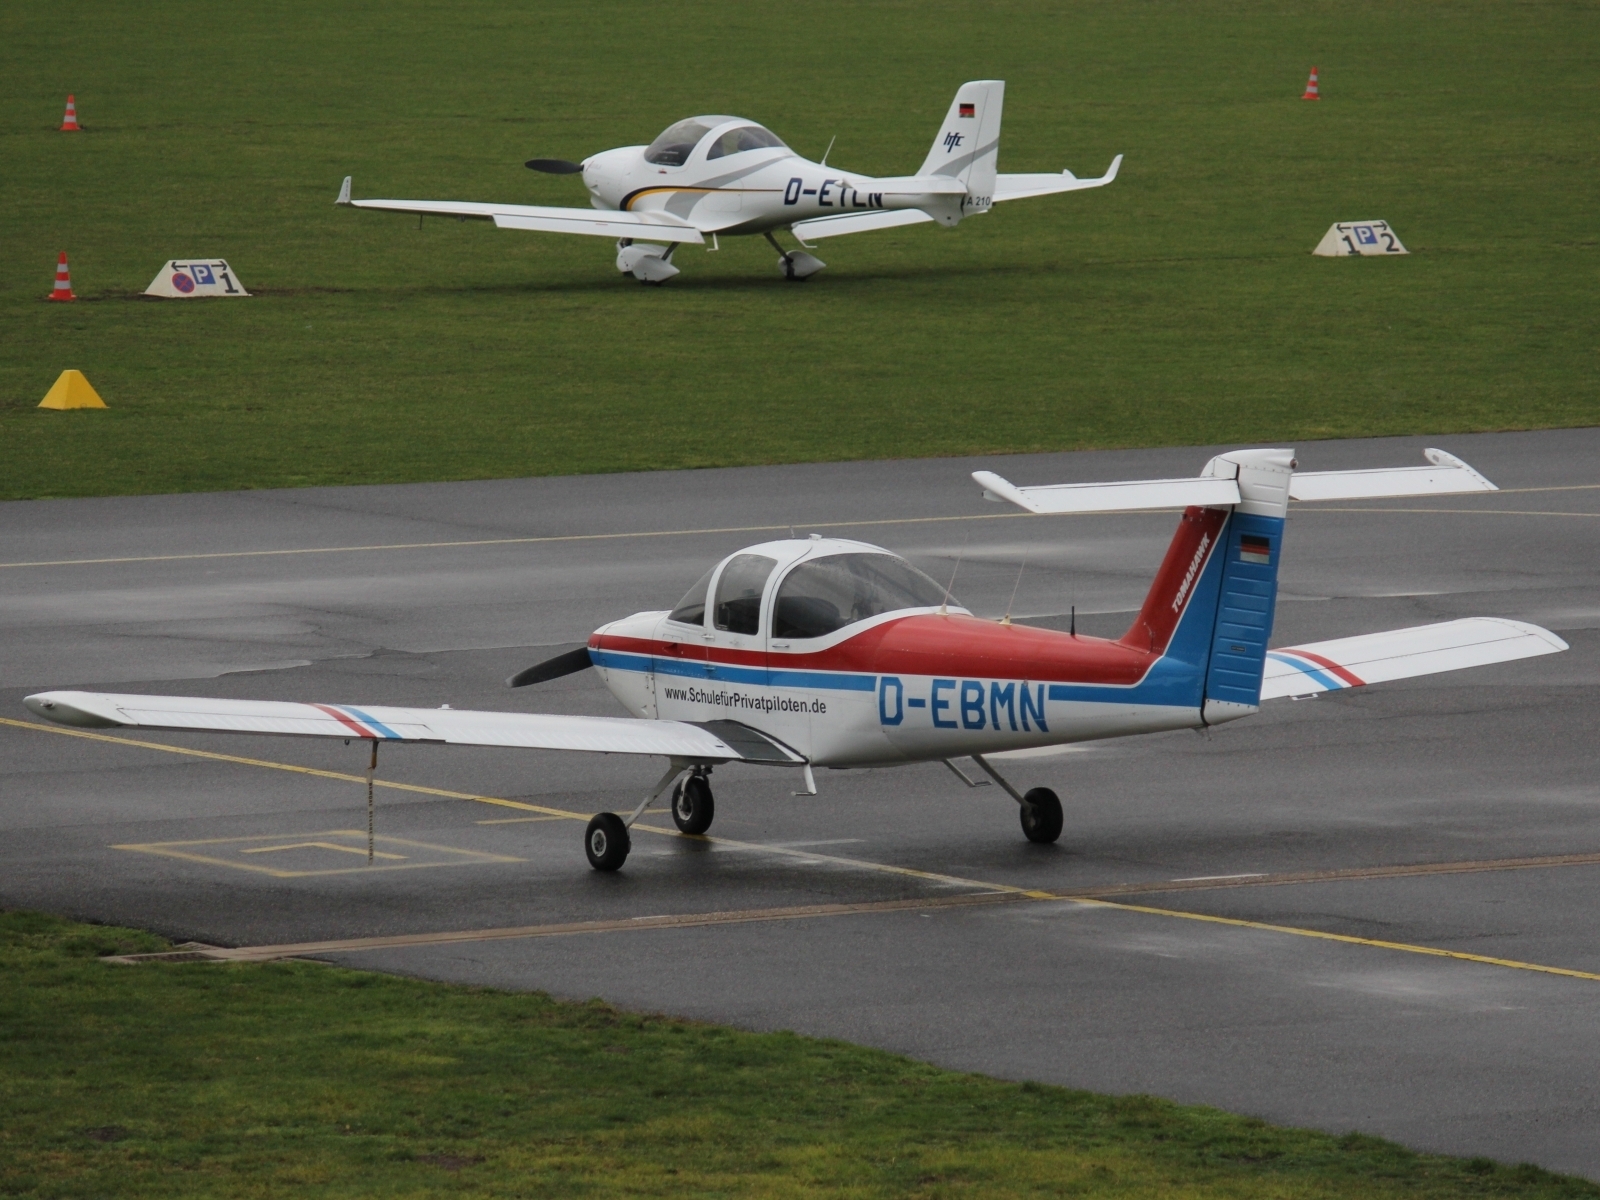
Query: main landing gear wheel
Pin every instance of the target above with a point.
(1041, 815)
(606, 842)
(692, 807)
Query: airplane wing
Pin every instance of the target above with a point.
(707, 741)
(1020, 187)
(1401, 654)
(655, 226)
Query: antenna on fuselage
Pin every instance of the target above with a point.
(1006, 620)
(944, 605)
(828, 151)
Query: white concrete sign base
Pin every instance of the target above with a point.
(1347, 238)
(185, 279)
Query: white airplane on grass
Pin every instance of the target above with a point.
(822, 652)
(720, 176)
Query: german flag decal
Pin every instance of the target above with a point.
(1254, 549)
(969, 110)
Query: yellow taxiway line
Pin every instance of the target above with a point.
(1347, 939)
(802, 912)
(983, 892)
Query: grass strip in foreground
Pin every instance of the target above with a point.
(242, 1080)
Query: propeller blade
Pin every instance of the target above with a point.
(553, 166)
(569, 663)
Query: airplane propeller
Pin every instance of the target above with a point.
(569, 663)
(553, 166)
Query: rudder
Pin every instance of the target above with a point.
(968, 145)
(1244, 616)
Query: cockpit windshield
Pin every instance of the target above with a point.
(826, 594)
(746, 137)
(691, 609)
(673, 147)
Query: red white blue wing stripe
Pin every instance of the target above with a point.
(1402, 654)
(1329, 675)
(359, 723)
(455, 727)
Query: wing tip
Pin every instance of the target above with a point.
(68, 708)
(1443, 458)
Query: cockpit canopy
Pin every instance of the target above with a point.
(818, 596)
(677, 143)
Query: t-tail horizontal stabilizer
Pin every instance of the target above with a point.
(1217, 486)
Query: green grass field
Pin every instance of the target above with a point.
(206, 1080)
(1179, 305)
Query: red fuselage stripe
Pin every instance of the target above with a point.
(928, 645)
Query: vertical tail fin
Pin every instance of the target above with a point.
(968, 145)
(1208, 614)
(1212, 602)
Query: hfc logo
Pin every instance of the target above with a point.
(951, 141)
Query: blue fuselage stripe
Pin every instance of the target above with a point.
(724, 673)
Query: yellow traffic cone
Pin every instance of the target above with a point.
(72, 390)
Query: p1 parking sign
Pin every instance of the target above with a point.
(187, 279)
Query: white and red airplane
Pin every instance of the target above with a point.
(721, 176)
(822, 652)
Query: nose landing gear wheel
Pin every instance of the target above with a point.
(692, 807)
(1041, 815)
(606, 842)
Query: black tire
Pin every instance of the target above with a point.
(606, 842)
(692, 806)
(1041, 816)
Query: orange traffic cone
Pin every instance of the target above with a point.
(63, 288)
(1311, 87)
(69, 123)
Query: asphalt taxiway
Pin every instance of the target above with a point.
(1373, 911)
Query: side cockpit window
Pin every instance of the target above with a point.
(748, 137)
(743, 580)
(691, 609)
(826, 594)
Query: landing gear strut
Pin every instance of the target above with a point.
(1041, 808)
(795, 264)
(606, 840)
(646, 262)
